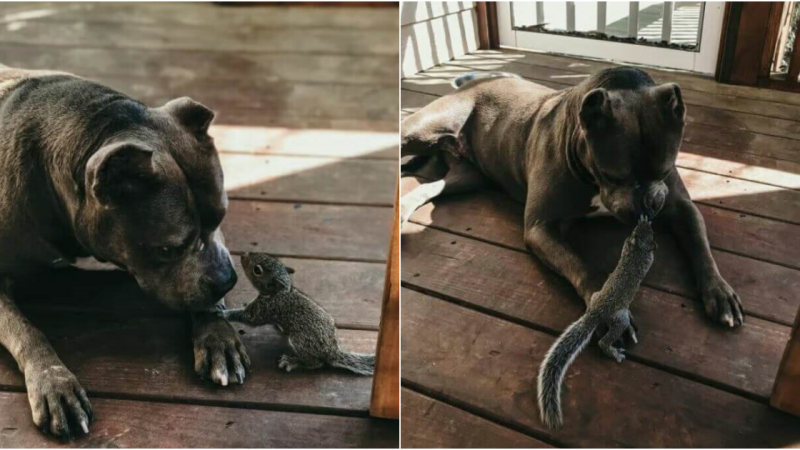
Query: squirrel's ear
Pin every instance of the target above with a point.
(289, 270)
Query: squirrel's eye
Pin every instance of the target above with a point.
(257, 270)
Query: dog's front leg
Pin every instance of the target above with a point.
(56, 398)
(218, 352)
(686, 223)
(547, 242)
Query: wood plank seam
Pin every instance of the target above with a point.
(255, 198)
(706, 203)
(555, 333)
(478, 412)
(256, 406)
(646, 283)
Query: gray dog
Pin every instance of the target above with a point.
(89, 172)
(608, 144)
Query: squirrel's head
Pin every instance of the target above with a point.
(642, 238)
(266, 273)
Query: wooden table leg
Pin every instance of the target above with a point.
(786, 391)
(386, 385)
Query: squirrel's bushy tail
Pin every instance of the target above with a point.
(555, 365)
(359, 363)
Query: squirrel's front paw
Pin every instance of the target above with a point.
(288, 363)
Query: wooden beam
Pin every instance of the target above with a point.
(482, 13)
(786, 391)
(386, 387)
(493, 24)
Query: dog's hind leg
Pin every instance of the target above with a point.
(57, 400)
(461, 177)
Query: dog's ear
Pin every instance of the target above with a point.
(669, 99)
(194, 116)
(119, 172)
(596, 110)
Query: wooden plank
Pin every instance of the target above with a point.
(348, 41)
(512, 284)
(386, 388)
(206, 15)
(299, 142)
(135, 424)
(769, 291)
(152, 358)
(350, 291)
(686, 80)
(309, 179)
(322, 231)
(429, 423)
(269, 98)
(744, 166)
(786, 392)
(489, 365)
(209, 65)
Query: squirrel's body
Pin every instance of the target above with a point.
(609, 306)
(310, 329)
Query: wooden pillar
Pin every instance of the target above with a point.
(488, 31)
(786, 391)
(386, 385)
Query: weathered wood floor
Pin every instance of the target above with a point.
(307, 120)
(479, 313)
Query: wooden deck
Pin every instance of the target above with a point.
(307, 120)
(479, 312)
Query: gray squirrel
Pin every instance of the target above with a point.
(609, 306)
(311, 330)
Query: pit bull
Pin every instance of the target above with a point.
(607, 145)
(88, 172)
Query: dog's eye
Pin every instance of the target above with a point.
(258, 270)
(169, 252)
(614, 180)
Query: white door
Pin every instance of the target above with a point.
(689, 24)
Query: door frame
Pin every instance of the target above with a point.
(703, 61)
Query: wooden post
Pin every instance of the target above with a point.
(786, 391)
(386, 385)
(483, 25)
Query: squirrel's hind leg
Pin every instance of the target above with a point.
(290, 363)
(618, 326)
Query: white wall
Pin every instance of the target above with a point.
(435, 32)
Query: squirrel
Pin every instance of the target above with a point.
(311, 330)
(609, 306)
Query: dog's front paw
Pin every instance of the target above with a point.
(57, 400)
(218, 352)
(722, 303)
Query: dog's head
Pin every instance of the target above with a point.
(154, 202)
(633, 138)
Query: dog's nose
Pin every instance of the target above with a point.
(221, 288)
